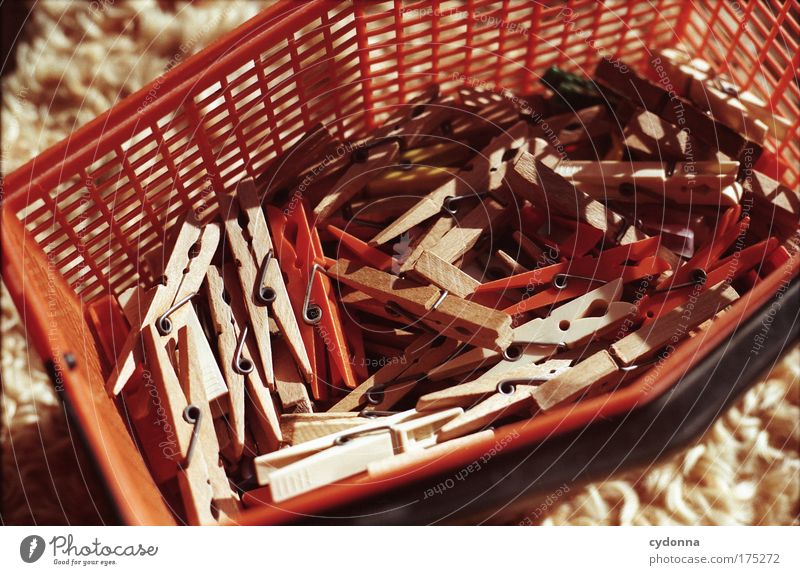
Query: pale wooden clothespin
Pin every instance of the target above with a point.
(742, 111)
(647, 136)
(548, 188)
(237, 349)
(372, 157)
(247, 269)
(380, 155)
(194, 246)
(568, 325)
(705, 183)
(271, 287)
(397, 378)
(207, 494)
(448, 314)
(162, 375)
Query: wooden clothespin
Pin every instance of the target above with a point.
(617, 83)
(266, 464)
(448, 314)
(710, 183)
(418, 119)
(594, 371)
(572, 128)
(569, 279)
(164, 379)
(247, 269)
(483, 174)
(733, 267)
(372, 157)
(236, 349)
(742, 111)
(552, 190)
(603, 368)
(570, 325)
(206, 491)
(271, 288)
(368, 162)
(673, 326)
(302, 260)
(472, 392)
(194, 246)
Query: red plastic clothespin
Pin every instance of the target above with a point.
(302, 260)
(733, 267)
(364, 252)
(571, 279)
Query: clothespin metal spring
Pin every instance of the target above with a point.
(163, 323)
(312, 313)
(192, 415)
(345, 437)
(450, 203)
(241, 364)
(265, 294)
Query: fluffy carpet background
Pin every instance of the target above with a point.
(76, 60)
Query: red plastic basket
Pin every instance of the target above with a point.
(78, 218)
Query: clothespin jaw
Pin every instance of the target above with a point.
(711, 183)
(302, 261)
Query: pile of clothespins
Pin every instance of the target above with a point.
(479, 258)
